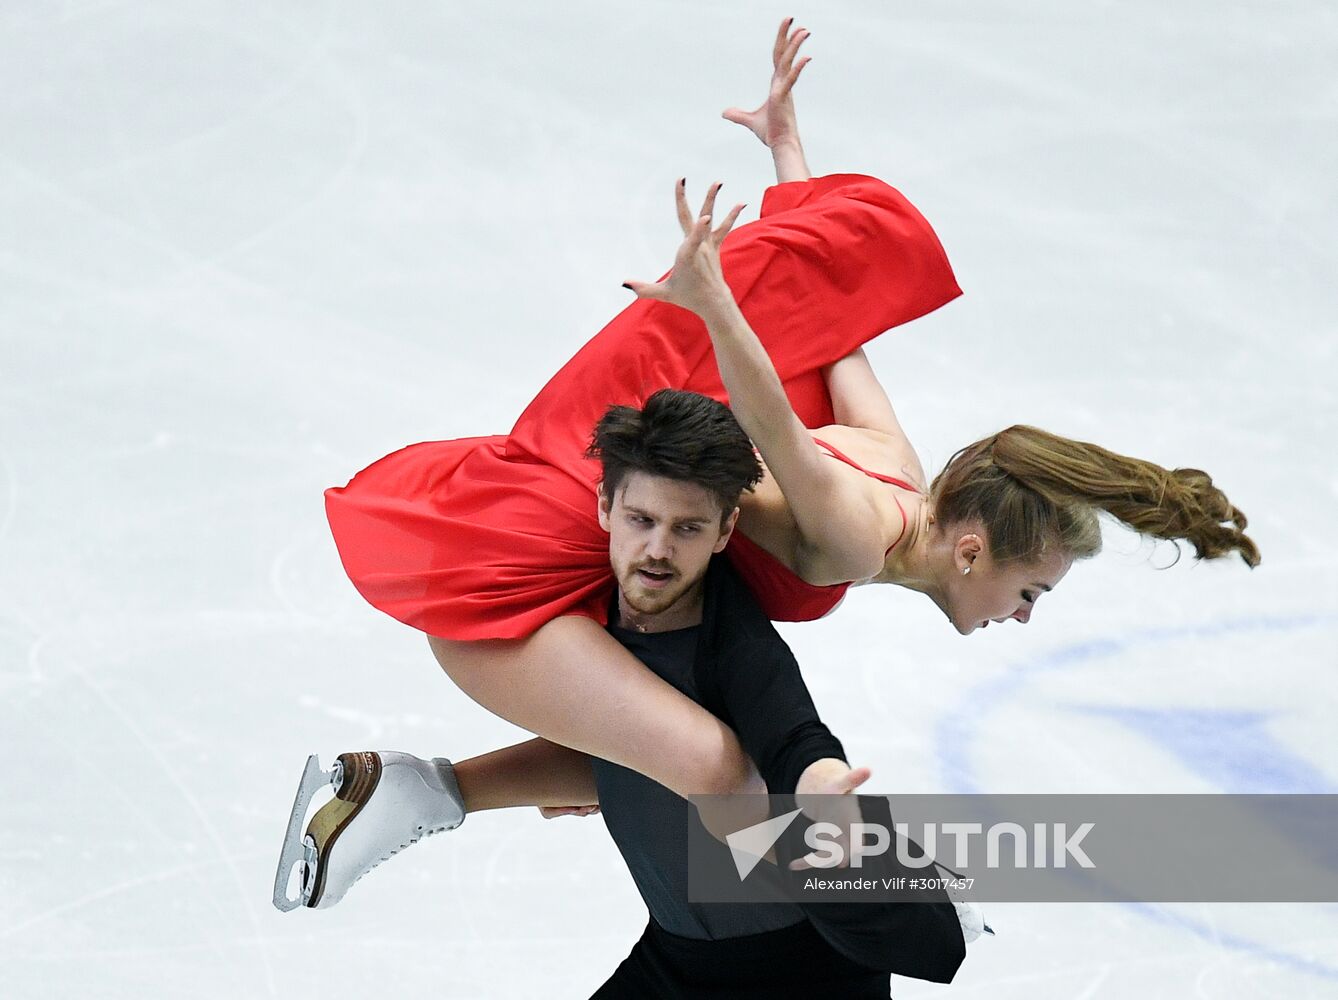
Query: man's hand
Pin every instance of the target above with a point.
(826, 794)
(830, 776)
(552, 812)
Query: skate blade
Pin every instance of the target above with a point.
(313, 780)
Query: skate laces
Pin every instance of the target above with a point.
(423, 833)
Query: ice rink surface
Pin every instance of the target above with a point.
(247, 249)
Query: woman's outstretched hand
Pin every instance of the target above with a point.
(696, 283)
(774, 122)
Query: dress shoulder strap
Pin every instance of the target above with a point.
(842, 457)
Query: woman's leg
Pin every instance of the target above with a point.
(572, 683)
(832, 263)
(534, 773)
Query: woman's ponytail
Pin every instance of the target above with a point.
(1030, 486)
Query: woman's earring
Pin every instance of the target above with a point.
(965, 570)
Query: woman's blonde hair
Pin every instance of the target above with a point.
(1032, 489)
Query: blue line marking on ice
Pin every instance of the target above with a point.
(1233, 941)
(955, 732)
(956, 737)
(1233, 750)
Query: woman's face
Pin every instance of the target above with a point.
(995, 592)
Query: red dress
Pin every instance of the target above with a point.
(491, 537)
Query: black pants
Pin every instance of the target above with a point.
(791, 962)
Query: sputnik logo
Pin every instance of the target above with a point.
(750, 845)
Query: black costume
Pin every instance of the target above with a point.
(737, 666)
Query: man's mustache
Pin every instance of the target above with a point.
(656, 568)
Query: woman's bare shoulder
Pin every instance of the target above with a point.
(768, 521)
(877, 451)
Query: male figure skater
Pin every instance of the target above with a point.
(672, 474)
(684, 613)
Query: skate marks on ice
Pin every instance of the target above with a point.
(248, 196)
(1180, 738)
(142, 750)
(1176, 654)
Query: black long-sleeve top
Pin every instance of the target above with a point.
(746, 676)
(738, 667)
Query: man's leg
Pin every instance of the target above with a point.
(640, 976)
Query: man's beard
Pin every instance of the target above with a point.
(648, 601)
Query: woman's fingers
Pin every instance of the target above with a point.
(647, 290)
(793, 75)
(685, 219)
(691, 266)
(695, 231)
(791, 49)
(718, 235)
(782, 36)
(708, 205)
(695, 228)
(700, 229)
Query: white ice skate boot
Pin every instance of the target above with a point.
(384, 801)
(972, 921)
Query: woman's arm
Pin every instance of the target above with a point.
(859, 400)
(834, 517)
(774, 122)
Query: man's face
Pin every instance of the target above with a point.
(662, 534)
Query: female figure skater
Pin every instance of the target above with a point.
(492, 546)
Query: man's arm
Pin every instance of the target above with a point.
(746, 675)
(753, 682)
(768, 704)
(764, 698)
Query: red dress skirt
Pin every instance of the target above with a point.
(491, 537)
